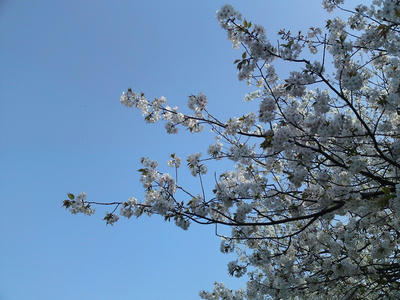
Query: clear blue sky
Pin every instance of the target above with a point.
(64, 65)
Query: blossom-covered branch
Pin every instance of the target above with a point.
(313, 202)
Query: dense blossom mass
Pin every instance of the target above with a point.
(314, 200)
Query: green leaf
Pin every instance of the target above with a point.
(143, 171)
(267, 142)
(71, 196)
(328, 23)
(383, 30)
(386, 190)
(107, 217)
(383, 202)
(244, 55)
(382, 100)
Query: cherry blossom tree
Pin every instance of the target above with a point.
(313, 202)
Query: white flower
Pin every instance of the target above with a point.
(171, 128)
(127, 208)
(182, 223)
(329, 5)
(111, 218)
(267, 110)
(201, 101)
(225, 12)
(215, 150)
(175, 161)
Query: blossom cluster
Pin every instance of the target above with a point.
(77, 204)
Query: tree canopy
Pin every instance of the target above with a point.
(313, 202)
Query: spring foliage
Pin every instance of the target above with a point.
(313, 202)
